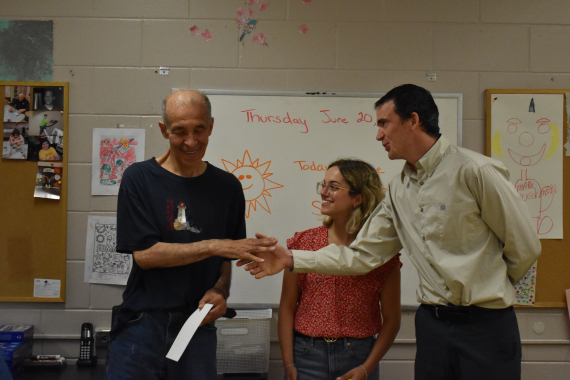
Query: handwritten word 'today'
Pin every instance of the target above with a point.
(303, 165)
(255, 117)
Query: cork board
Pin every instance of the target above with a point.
(33, 230)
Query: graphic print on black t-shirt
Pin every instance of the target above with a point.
(182, 222)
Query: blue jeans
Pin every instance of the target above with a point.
(139, 351)
(316, 359)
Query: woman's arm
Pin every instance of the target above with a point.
(286, 322)
(391, 315)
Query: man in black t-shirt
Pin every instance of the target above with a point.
(183, 220)
(20, 105)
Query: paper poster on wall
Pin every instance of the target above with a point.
(47, 288)
(103, 265)
(525, 288)
(114, 150)
(567, 144)
(49, 179)
(526, 133)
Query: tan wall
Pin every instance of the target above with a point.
(109, 52)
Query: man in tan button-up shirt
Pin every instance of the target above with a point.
(465, 229)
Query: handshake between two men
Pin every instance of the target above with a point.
(264, 257)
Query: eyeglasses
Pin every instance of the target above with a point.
(330, 188)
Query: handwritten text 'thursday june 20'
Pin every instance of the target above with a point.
(253, 117)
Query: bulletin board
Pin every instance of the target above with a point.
(279, 144)
(552, 278)
(33, 229)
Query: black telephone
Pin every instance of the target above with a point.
(87, 347)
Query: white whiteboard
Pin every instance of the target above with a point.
(290, 138)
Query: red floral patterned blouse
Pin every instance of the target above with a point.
(337, 306)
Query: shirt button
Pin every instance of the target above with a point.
(423, 238)
(446, 287)
(421, 209)
(421, 183)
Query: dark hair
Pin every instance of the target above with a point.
(15, 130)
(409, 98)
(42, 141)
(362, 179)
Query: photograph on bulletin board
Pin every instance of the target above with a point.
(49, 98)
(48, 180)
(33, 131)
(15, 119)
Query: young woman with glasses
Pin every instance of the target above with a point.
(332, 326)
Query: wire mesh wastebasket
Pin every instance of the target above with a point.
(243, 342)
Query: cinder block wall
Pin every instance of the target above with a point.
(110, 51)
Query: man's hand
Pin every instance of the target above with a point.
(246, 249)
(273, 262)
(215, 297)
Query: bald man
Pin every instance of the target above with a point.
(183, 220)
(20, 105)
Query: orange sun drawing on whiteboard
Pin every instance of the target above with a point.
(255, 181)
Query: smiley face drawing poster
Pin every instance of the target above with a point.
(526, 135)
